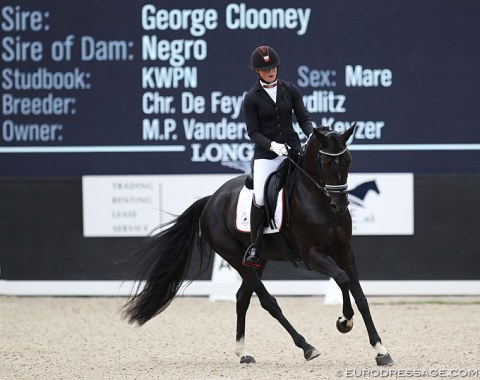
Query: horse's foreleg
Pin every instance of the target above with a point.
(244, 295)
(327, 266)
(345, 321)
(269, 303)
(383, 358)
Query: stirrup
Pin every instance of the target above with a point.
(251, 258)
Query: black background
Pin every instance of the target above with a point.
(431, 47)
(41, 237)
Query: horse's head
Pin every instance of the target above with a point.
(332, 162)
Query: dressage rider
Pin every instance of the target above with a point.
(268, 107)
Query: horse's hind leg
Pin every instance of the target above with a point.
(253, 282)
(244, 295)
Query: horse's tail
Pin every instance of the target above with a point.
(163, 262)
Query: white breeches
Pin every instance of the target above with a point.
(261, 170)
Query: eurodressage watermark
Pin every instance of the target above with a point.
(410, 373)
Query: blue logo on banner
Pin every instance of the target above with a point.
(358, 194)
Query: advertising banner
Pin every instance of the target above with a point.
(381, 203)
(122, 206)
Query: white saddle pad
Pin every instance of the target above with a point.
(244, 205)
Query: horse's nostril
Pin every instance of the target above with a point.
(335, 209)
(338, 209)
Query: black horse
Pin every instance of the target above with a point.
(319, 232)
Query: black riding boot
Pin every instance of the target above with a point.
(257, 224)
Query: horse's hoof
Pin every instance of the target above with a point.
(247, 360)
(311, 353)
(344, 325)
(384, 360)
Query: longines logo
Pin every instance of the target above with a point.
(233, 155)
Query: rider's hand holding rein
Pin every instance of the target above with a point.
(279, 149)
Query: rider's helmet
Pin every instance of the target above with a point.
(264, 58)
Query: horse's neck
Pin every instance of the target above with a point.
(307, 193)
(309, 163)
(308, 176)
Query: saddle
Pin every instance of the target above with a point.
(276, 181)
(278, 188)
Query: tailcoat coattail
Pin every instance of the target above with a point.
(268, 121)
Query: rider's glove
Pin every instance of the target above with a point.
(279, 149)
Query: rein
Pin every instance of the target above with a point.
(320, 187)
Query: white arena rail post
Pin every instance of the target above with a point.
(225, 281)
(333, 294)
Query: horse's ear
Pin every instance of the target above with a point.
(319, 135)
(316, 133)
(348, 133)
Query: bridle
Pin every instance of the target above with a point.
(326, 189)
(340, 189)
